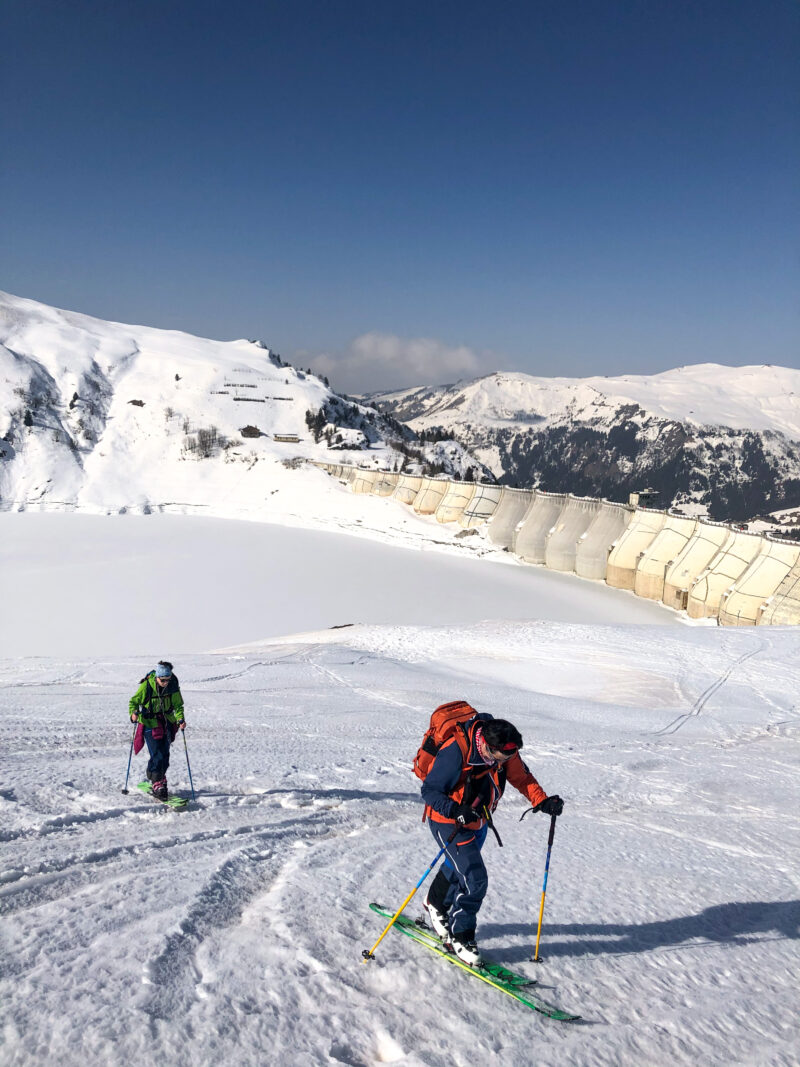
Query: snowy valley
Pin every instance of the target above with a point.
(88, 408)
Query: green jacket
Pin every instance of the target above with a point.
(150, 700)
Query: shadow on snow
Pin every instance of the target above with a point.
(737, 923)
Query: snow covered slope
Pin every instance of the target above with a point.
(231, 932)
(727, 438)
(108, 417)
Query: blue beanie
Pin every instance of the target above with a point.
(164, 670)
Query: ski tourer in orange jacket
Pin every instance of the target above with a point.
(467, 772)
(462, 787)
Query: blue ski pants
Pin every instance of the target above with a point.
(158, 747)
(466, 872)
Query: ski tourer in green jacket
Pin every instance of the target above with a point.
(157, 709)
(152, 699)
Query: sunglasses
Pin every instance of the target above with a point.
(502, 754)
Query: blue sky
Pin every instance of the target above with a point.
(399, 192)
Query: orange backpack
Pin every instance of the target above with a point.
(445, 723)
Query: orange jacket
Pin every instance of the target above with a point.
(460, 776)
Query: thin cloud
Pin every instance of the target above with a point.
(381, 361)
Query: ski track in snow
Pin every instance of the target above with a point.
(232, 932)
(712, 689)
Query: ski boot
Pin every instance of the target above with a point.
(463, 945)
(438, 919)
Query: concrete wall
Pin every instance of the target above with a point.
(729, 564)
(591, 557)
(624, 557)
(746, 602)
(561, 545)
(708, 539)
(530, 537)
(364, 481)
(783, 609)
(430, 496)
(705, 568)
(507, 515)
(658, 557)
(482, 506)
(454, 501)
(385, 484)
(408, 485)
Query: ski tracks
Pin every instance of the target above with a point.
(371, 694)
(174, 974)
(709, 692)
(249, 879)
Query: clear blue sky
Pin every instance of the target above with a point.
(571, 186)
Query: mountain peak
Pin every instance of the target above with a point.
(707, 436)
(113, 416)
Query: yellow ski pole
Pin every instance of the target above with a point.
(536, 957)
(369, 953)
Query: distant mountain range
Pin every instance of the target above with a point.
(105, 416)
(725, 440)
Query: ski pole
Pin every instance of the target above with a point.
(490, 823)
(130, 756)
(186, 750)
(537, 958)
(369, 953)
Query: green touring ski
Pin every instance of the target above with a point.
(170, 802)
(514, 985)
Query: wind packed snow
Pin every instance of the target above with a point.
(232, 932)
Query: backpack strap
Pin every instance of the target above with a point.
(462, 736)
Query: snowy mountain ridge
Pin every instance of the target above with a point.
(721, 439)
(105, 416)
(108, 417)
(759, 398)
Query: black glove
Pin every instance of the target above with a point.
(551, 806)
(464, 814)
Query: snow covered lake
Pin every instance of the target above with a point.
(231, 932)
(163, 584)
